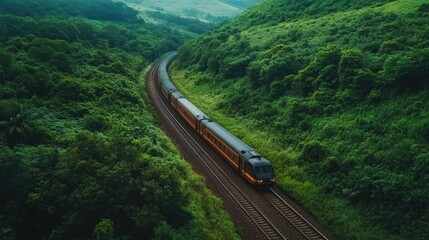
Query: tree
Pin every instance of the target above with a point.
(350, 62)
(116, 67)
(70, 89)
(104, 230)
(61, 61)
(407, 70)
(5, 59)
(17, 130)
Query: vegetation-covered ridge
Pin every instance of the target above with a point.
(81, 155)
(335, 94)
(211, 11)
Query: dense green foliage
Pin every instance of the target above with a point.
(106, 10)
(81, 156)
(271, 12)
(338, 91)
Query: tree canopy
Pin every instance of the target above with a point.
(81, 155)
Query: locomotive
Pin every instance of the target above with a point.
(256, 169)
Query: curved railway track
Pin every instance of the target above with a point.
(263, 221)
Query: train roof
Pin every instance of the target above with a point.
(168, 85)
(261, 161)
(236, 144)
(166, 58)
(196, 112)
(228, 138)
(162, 72)
(177, 94)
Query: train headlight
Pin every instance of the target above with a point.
(272, 179)
(260, 181)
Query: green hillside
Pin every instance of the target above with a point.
(207, 10)
(81, 154)
(335, 94)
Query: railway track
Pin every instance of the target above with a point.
(261, 221)
(261, 216)
(294, 217)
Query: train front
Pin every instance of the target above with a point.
(264, 172)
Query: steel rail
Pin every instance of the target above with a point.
(293, 216)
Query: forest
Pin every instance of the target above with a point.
(81, 153)
(336, 95)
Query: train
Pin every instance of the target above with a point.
(256, 169)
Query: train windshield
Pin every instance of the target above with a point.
(264, 171)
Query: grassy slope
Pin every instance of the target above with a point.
(350, 130)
